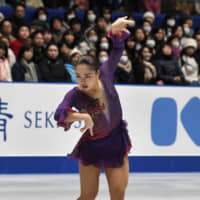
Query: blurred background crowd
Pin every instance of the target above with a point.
(46, 48)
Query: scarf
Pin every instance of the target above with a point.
(31, 73)
(150, 71)
(126, 67)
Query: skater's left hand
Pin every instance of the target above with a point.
(121, 25)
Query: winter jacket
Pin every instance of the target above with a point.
(144, 72)
(5, 72)
(190, 68)
(16, 46)
(21, 72)
(168, 68)
(53, 70)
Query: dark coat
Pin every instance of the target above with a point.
(53, 70)
(168, 68)
(18, 72)
(139, 73)
(38, 54)
(122, 76)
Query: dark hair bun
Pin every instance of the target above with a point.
(90, 61)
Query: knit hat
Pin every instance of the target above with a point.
(190, 42)
(74, 51)
(149, 14)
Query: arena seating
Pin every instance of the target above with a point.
(52, 12)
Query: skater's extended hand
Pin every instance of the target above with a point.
(88, 124)
(121, 25)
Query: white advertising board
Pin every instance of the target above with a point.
(161, 120)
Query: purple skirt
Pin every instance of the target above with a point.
(105, 152)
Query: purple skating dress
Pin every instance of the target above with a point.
(110, 143)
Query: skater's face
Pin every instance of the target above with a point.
(86, 77)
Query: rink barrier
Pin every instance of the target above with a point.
(60, 165)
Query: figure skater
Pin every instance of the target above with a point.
(105, 142)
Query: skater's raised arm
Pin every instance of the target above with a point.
(118, 34)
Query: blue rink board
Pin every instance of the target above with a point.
(48, 165)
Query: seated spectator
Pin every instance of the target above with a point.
(76, 28)
(25, 69)
(39, 20)
(57, 29)
(37, 41)
(130, 48)
(89, 19)
(186, 30)
(69, 39)
(6, 29)
(168, 68)
(48, 37)
(169, 24)
(174, 41)
(73, 60)
(187, 24)
(5, 70)
(189, 64)
(178, 30)
(139, 37)
(123, 71)
(144, 71)
(93, 53)
(68, 15)
(17, 17)
(188, 20)
(146, 25)
(102, 56)
(101, 26)
(107, 14)
(159, 35)
(64, 51)
(52, 67)
(151, 42)
(23, 34)
(90, 40)
(11, 55)
(149, 16)
(104, 43)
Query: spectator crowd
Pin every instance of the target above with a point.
(47, 50)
